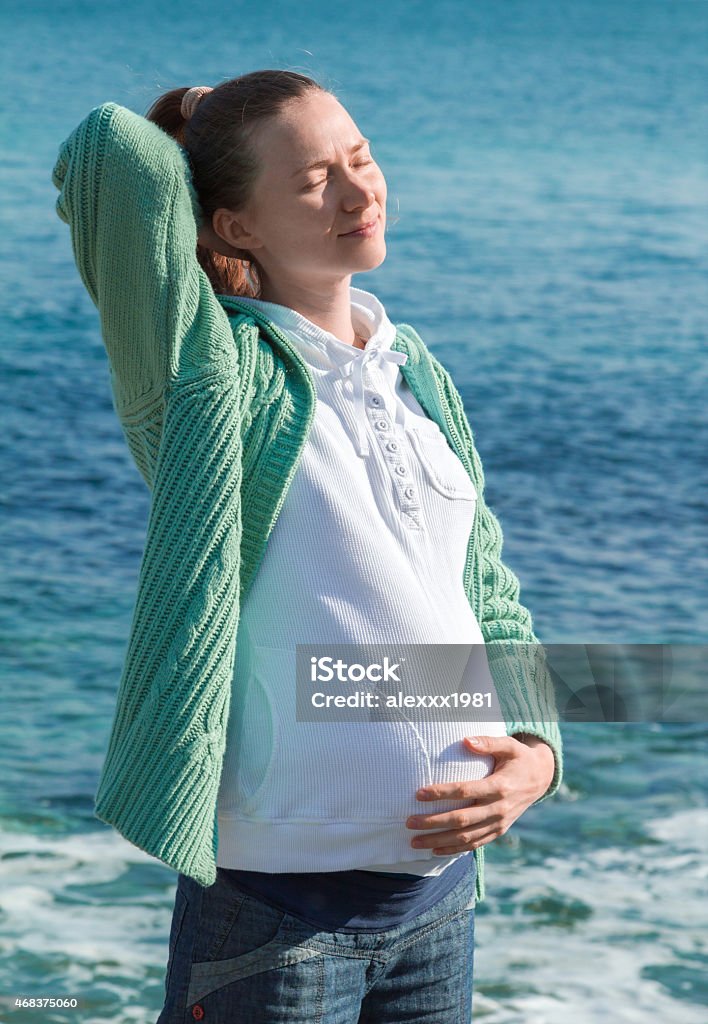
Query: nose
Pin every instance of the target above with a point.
(359, 195)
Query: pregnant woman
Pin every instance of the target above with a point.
(314, 480)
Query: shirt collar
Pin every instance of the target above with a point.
(326, 352)
(323, 349)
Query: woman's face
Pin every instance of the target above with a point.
(297, 221)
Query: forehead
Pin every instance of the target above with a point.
(308, 128)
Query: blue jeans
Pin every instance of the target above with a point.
(236, 959)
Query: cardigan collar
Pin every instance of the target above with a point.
(417, 368)
(325, 352)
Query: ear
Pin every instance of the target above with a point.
(209, 239)
(227, 235)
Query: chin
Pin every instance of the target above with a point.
(373, 260)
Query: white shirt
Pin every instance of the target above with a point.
(369, 547)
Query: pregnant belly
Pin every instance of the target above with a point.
(325, 770)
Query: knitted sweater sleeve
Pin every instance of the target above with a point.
(125, 191)
(516, 657)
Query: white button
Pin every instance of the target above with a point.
(401, 470)
(392, 446)
(409, 492)
(375, 400)
(382, 424)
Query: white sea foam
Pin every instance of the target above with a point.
(638, 909)
(626, 911)
(105, 950)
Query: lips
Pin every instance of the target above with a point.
(361, 227)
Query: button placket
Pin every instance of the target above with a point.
(384, 425)
(356, 367)
(395, 458)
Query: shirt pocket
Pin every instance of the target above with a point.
(441, 466)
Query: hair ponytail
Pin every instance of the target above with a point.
(217, 140)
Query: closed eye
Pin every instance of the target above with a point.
(321, 181)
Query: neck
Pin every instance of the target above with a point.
(330, 309)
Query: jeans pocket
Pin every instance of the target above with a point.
(252, 944)
(220, 908)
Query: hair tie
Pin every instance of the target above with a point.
(191, 98)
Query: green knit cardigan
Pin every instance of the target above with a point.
(215, 404)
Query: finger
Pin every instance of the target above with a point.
(446, 819)
(479, 789)
(459, 817)
(498, 746)
(447, 851)
(472, 828)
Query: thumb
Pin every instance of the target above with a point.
(486, 744)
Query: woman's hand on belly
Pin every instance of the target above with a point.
(523, 772)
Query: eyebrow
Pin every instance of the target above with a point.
(323, 163)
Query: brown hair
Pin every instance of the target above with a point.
(224, 165)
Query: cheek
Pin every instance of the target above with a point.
(291, 224)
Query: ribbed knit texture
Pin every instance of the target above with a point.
(216, 404)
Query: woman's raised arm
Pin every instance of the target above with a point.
(126, 192)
